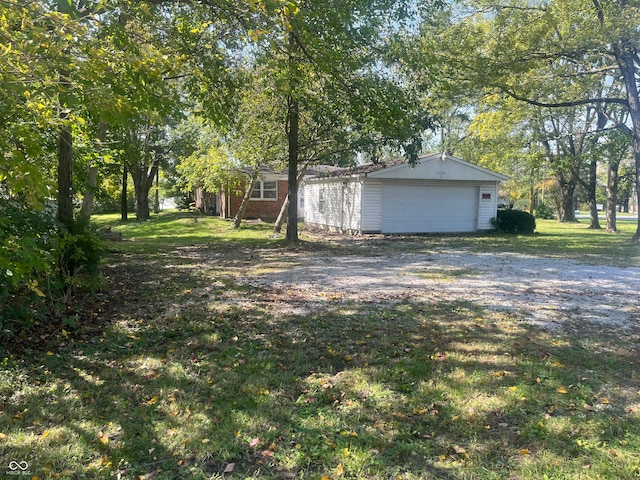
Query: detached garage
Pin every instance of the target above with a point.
(440, 194)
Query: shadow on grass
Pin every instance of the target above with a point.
(169, 379)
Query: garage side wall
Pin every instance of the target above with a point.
(488, 206)
(334, 205)
(371, 206)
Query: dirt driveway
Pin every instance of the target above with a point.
(550, 292)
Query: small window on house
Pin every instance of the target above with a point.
(265, 190)
(321, 201)
(486, 196)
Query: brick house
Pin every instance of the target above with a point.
(267, 198)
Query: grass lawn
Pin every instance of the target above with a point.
(179, 372)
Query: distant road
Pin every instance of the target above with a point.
(619, 218)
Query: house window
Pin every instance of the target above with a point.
(265, 190)
(321, 201)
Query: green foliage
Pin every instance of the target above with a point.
(39, 263)
(544, 211)
(514, 221)
(79, 249)
(27, 243)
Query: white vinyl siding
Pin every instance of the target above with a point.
(333, 204)
(488, 206)
(440, 195)
(371, 209)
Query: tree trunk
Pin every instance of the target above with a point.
(156, 199)
(591, 186)
(636, 155)
(566, 210)
(89, 194)
(284, 210)
(142, 182)
(124, 203)
(142, 203)
(92, 178)
(532, 196)
(277, 227)
(292, 137)
(247, 197)
(65, 177)
(292, 129)
(626, 62)
(612, 195)
(65, 157)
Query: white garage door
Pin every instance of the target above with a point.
(429, 209)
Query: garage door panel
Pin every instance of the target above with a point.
(429, 209)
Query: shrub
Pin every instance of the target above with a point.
(40, 264)
(79, 249)
(27, 243)
(514, 221)
(543, 211)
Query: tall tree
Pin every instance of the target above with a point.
(332, 61)
(550, 54)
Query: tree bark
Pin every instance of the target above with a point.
(92, 178)
(292, 130)
(156, 199)
(237, 220)
(277, 227)
(612, 195)
(142, 183)
(292, 138)
(626, 62)
(65, 177)
(591, 185)
(90, 193)
(65, 157)
(566, 211)
(124, 203)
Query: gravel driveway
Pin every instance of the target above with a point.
(546, 291)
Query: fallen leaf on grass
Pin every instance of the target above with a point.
(524, 451)
(267, 453)
(229, 468)
(604, 401)
(460, 451)
(562, 390)
(44, 435)
(254, 442)
(147, 476)
(339, 470)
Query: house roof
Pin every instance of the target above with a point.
(432, 166)
(312, 170)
